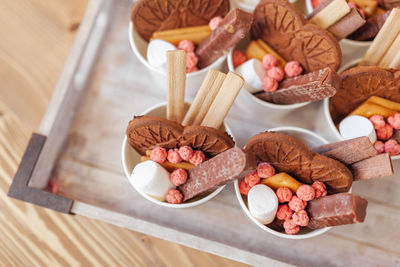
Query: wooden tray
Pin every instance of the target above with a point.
(79, 142)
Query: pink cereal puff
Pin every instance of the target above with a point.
(300, 218)
(306, 192)
(238, 58)
(265, 170)
(174, 196)
(213, 24)
(269, 61)
(193, 69)
(197, 158)
(379, 146)
(292, 231)
(191, 60)
(276, 73)
(186, 45)
(320, 189)
(284, 194)
(178, 177)
(384, 133)
(252, 179)
(244, 188)
(394, 121)
(377, 121)
(173, 156)
(186, 152)
(269, 84)
(297, 204)
(158, 154)
(284, 213)
(293, 68)
(392, 147)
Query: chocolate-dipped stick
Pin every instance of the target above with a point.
(176, 81)
(331, 14)
(347, 25)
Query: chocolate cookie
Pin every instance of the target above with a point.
(286, 30)
(358, 84)
(149, 16)
(289, 155)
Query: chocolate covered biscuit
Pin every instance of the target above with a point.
(371, 28)
(347, 25)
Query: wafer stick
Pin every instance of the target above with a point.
(195, 34)
(171, 166)
(383, 40)
(331, 14)
(176, 80)
(223, 101)
(375, 167)
(204, 97)
(391, 53)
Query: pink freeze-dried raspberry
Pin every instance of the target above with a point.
(186, 152)
(297, 204)
(315, 3)
(186, 45)
(252, 179)
(54, 186)
(173, 156)
(178, 177)
(392, 147)
(306, 192)
(197, 158)
(384, 133)
(158, 154)
(238, 58)
(284, 194)
(213, 24)
(293, 68)
(276, 73)
(394, 121)
(289, 224)
(244, 188)
(174, 196)
(320, 189)
(292, 231)
(269, 61)
(377, 121)
(379, 146)
(193, 69)
(191, 60)
(300, 218)
(265, 170)
(284, 212)
(269, 84)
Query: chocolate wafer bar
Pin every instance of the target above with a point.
(347, 25)
(371, 28)
(312, 86)
(375, 167)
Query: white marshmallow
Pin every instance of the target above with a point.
(262, 203)
(152, 179)
(253, 73)
(157, 53)
(357, 126)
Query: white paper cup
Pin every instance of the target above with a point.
(159, 77)
(312, 140)
(130, 158)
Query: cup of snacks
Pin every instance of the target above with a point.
(206, 37)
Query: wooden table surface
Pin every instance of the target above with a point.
(36, 36)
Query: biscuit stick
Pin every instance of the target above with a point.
(204, 98)
(176, 80)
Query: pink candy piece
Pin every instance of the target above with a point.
(252, 179)
(284, 212)
(394, 121)
(178, 177)
(377, 121)
(238, 58)
(191, 60)
(392, 147)
(269, 61)
(293, 68)
(300, 218)
(158, 154)
(269, 84)
(297, 204)
(213, 24)
(186, 45)
(284, 194)
(174, 196)
(244, 188)
(186, 152)
(380, 147)
(385, 132)
(291, 228)
(276, 73)
(320, 189)
(265, 170)
(197, 158)
(190, 70)
(173, 156)
(306, 192)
